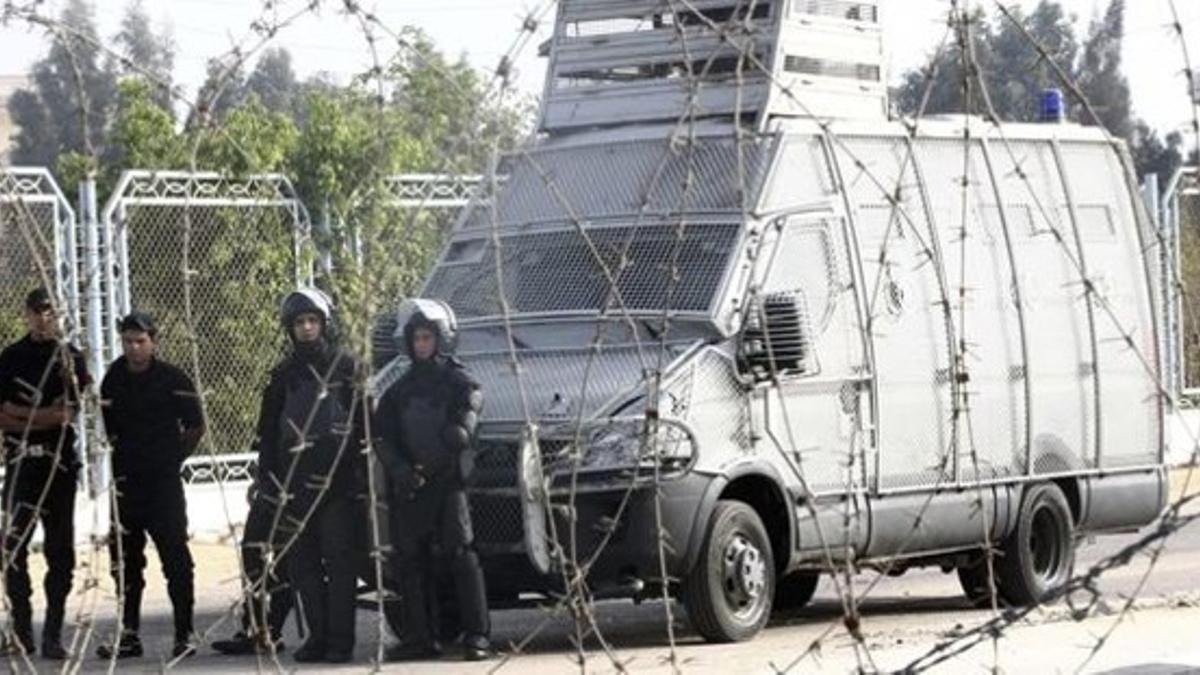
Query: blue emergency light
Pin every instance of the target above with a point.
(1054, 108)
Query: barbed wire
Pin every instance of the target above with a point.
(577, 598)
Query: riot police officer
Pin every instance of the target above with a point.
(426, 422)
(41, 378)
(310, 471)
(153, 419)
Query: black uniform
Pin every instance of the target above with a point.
(321, 560)
(39, 480)
(145, 415)
(426, 422)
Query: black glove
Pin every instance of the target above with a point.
(406, 482)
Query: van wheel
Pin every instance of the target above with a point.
(973, 578)
(1039, 555)
(729, 590)
(796, 590)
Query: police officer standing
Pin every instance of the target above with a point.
(311, 468)
(41, 378)
(426, 422)
(153, 419)
(269, 597)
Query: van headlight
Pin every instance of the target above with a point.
(626, 443)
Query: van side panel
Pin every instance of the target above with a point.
(1063, 419)
(907, 524)
(1129, 429)
(974, 232)
(906, 299)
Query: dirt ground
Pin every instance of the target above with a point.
(903, 619)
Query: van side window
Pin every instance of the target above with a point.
(796, 301)
(806, 260)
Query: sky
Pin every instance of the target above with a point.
(484, 30)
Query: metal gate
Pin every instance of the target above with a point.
(1178, 212)
(209, 256)
(38, 247)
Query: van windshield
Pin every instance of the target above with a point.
(561, 271)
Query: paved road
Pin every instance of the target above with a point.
(901, 618)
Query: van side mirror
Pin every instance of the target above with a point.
(777, 338)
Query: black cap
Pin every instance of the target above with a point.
(38, 300)
(139, 321)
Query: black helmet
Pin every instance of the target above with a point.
(307, 300)
(434, 315)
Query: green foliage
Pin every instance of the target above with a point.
(447, 108)
(144, 53)
(252, 140)
(1100, 76)
(1189, 272)
(144, 131)
(1015, 75)
(74, 167)
(1010, 66)
(337, 144)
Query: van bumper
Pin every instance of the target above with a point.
(622, 532)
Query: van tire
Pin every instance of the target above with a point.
(1038, 556)
(796, 590)
(729, 591)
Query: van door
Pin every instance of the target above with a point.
(802, 334)
(907, 310)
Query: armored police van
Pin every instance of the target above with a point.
(738, 326)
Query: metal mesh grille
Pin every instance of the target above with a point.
(239, 264)
(710, 397)
(560, 272)
(559, 383)
(622, 179)
(497, 520)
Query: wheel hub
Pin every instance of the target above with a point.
(745, 572)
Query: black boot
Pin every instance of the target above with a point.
(184, 649)
(244, 644)
(52, 634)
(19, 641)
(477, 648)
(414, 651)
(129, 646)
(311, 652)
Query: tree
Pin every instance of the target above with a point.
(274, 81)
(1154, 155)
(1100, 77)
(146, 54)
(447, 107)
(1015, 74)
(224, 89)
(143, 134)
(1009, 65)
(72, 95)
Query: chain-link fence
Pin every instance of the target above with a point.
(37, 228)
(1186, 210)
(209, 257)
(978, 330)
